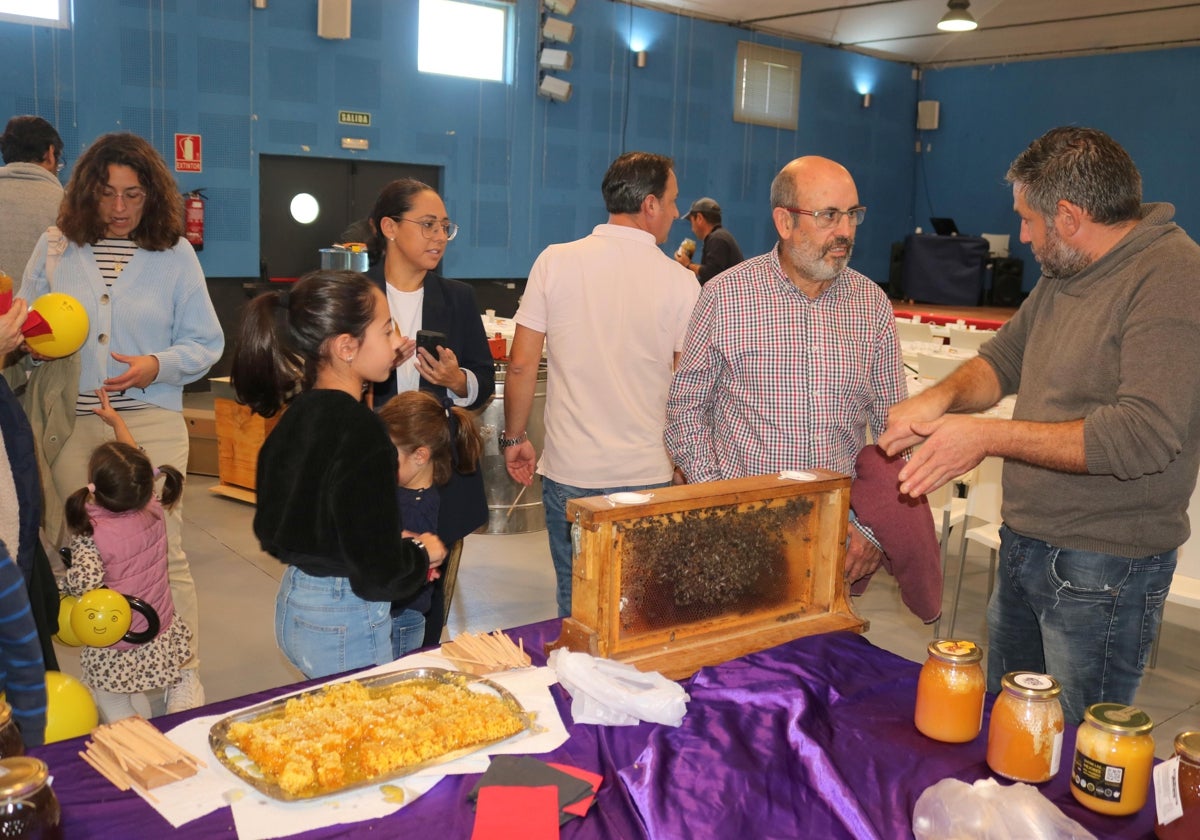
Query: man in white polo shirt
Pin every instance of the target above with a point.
(613, 310)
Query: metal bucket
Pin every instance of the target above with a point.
(343, 258)
(511, 511)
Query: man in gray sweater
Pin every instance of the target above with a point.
(29, 189)
(1102, 453)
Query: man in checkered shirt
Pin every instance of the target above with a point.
(790, 355)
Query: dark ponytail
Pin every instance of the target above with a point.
(417, 418)
(282, 338)
(172, 485)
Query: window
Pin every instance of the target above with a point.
(767, 86)
(462, 39)
(44, 12)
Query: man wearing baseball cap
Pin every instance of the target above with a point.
(721, 250)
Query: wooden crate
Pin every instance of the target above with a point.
(704, 573)
(240, 434)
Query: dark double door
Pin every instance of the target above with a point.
(345, 191)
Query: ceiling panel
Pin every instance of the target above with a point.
(1009, 30)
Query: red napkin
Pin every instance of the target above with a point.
(580, 808)
(516, 813)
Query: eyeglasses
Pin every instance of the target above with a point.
(132, 196)
(830, 217)
(430, 227)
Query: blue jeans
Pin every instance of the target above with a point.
(1087, 619)
(408, 632)
(554, 498)
(323, 628)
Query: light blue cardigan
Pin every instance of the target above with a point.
(158, 306)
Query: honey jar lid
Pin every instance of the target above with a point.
(1031, 685)
(21, 776)
(1118, 718)
(1187, 744)
(957, 651)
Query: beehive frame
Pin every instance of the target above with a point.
(703, 573)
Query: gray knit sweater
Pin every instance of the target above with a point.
(1118, 345)
(29, 199)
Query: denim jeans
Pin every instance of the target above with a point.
(554, 498)
(323, 628)
(1087, 619)
(408, 632)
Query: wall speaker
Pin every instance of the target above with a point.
(333, 19)
(1007, 274)
(927, 114)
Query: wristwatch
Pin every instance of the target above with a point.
(419, 545)
(506, 442)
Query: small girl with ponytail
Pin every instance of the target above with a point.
(432, 442)
(119, 540)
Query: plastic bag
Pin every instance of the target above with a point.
(988, 810)
(615, 694)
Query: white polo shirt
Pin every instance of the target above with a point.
(615, 309)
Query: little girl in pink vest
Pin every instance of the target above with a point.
(119, 540)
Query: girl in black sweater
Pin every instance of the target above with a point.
(327, 472)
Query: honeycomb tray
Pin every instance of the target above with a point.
(234, 760)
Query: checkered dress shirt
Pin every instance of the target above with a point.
(771, 379)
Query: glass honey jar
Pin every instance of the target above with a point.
(1186, 826)
(10, 737)
(28, 807)
(1114, 752)
(950, 692)
(1026, 729)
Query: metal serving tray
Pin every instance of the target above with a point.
(241, 766)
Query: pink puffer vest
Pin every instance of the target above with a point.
(133, 548)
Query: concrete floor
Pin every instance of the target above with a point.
(507, 580)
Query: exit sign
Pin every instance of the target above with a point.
(354, 118)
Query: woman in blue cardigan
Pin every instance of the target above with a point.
(119, 250)
(411, 232)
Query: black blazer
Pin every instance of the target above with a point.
(449, 307)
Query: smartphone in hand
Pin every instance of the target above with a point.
(430, 339)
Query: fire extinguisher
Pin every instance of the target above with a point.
(193, 210)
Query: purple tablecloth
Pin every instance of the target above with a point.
(813, 738)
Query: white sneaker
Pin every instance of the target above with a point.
(186, 694)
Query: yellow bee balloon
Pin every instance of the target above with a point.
(66, 633)
(101, 617)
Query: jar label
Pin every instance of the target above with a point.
(1166, 791)
(1035, 682)
(1056, 754)
(1095, 778)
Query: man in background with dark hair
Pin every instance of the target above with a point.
(612, 310)
(719, 250)
(1102, 452)
(29, 189)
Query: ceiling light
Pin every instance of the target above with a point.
(558, 30)
(560, 7)
(957, 19)
(552, 59)
(554, 88)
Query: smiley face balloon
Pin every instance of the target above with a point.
(101, 617)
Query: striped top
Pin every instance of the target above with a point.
(112, 255)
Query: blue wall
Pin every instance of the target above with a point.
(520, 172)
(989, 114)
